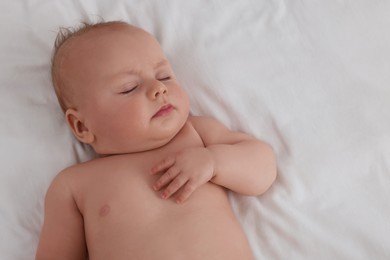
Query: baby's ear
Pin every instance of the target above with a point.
(76, 124)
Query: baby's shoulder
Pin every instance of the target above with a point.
(60, 187)
(77, 168)
(70, 178)
(208, 128)
(76, 171)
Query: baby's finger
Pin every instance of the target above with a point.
(174, 186)
(167, 177)
(186, 192)
(163, 165)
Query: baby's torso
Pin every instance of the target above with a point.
(124, 218)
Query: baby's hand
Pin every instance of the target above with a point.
(185, 171)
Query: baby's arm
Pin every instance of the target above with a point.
(242, 163)
(62, 235)
(234, 160)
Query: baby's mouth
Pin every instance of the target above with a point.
(164, 110)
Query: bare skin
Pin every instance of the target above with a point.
(158, 190)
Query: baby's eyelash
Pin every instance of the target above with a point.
(165, 78)
(129, 90)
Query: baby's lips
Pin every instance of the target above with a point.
(163, 110)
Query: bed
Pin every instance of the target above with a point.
(309, 77)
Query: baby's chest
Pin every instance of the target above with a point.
(132, 205)
(123, 185)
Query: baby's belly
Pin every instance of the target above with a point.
(130, 221)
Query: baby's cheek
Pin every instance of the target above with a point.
(184, 99)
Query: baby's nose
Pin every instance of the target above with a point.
(158, 89)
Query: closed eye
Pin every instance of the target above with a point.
(164, 78)
(128, 90)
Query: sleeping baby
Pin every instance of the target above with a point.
(158, 187)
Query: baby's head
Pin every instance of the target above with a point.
(117, 89)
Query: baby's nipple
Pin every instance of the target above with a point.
(104, 210)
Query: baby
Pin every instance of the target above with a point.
(158, 187)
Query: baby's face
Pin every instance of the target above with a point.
(124, 90)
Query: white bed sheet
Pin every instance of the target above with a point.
(309, 77)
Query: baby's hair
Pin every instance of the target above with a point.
(64, 35)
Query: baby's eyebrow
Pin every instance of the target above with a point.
(158, 64)
(161, 63)
(123, 72)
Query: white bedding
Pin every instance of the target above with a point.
(310, 77)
